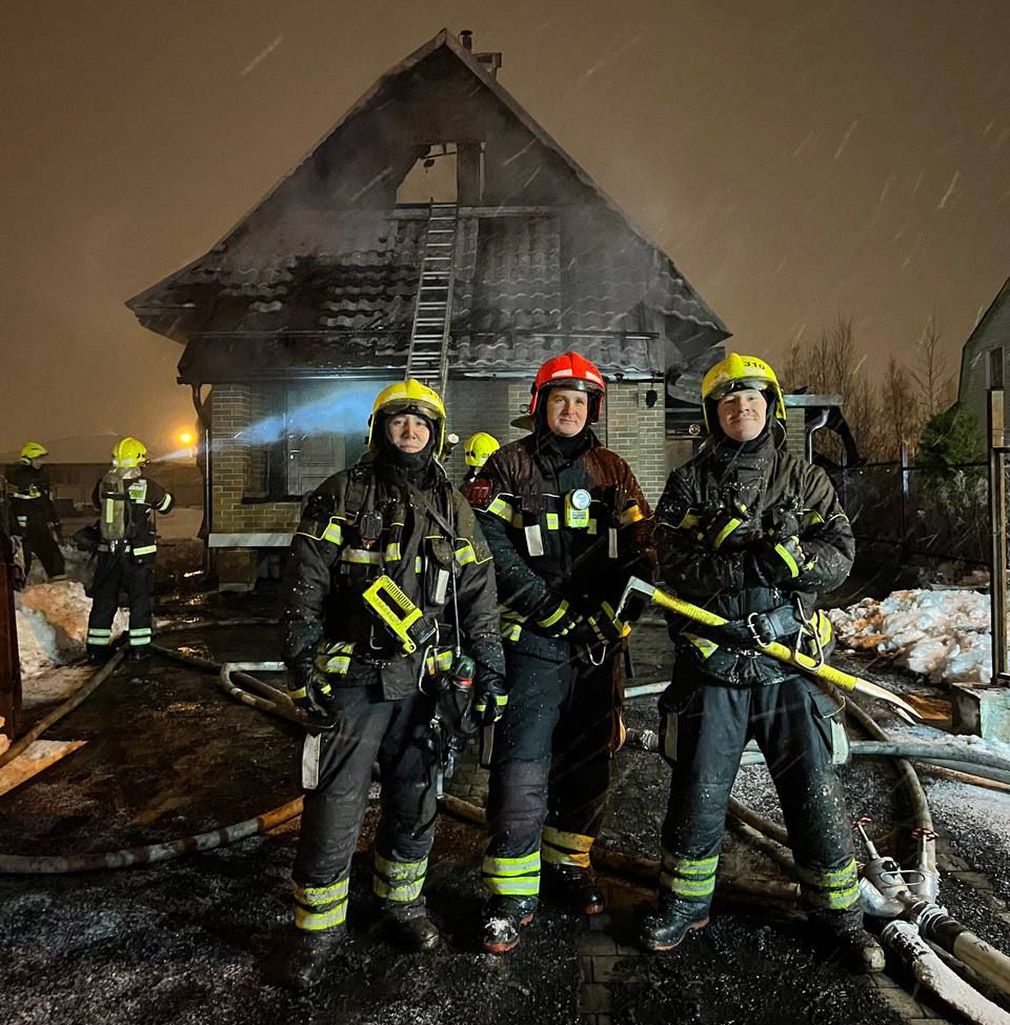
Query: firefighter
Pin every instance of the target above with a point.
(36, 521)
(393, 517)
(127, 500)
(753, 534)
(477, 450)
(567, 524)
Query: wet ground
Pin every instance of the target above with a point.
(187, 941)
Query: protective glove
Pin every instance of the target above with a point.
(778, 562)
(602, 626)
(555, 617)
(490, 698)
(311, 693)
(731, 531)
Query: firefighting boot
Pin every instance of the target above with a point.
(501, 921)
(408, 925)
(666, 924)
(572, 888)
(841, 933)
(301, 955)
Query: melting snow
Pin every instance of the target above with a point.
(944, 635)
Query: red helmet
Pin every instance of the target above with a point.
(570, 370)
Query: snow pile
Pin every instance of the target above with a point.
(944, 635)
(52, 622)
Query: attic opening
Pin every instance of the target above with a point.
(445, 172)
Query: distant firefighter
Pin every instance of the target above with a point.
(33, 515)
(477, 450)
(127, 499)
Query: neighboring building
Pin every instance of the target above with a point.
(985, 358)
(306, 308)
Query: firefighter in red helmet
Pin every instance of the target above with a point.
(567, 524)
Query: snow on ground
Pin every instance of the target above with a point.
(52, 624)
(944, 635)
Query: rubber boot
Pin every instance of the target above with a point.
(409, 926)
(140, 652)
(300, 958)
(842, 933)
(669, 921)
(99, 656)
(572, 889)
(502, 920)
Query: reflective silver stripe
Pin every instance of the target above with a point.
(310, 760)
(165, 504)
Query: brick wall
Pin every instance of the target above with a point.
(638, 433)
(237, 473)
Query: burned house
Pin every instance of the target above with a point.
(436, 232)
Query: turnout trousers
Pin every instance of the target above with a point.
(551, 762)
(37, 539)
(702, 734)
(115, 572)
(336, 774)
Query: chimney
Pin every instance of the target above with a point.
(466, 38)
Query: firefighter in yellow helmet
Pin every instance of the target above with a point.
(752, 533)
(33, 514)
(387, 540)
(127, 499)
(477, 449)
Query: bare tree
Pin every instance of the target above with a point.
(931, 373)
(903, 409)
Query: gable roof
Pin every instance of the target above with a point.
(307, 261)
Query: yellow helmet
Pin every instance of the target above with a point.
(409, 396)
(128, 452)
(478, 447)
(33, 450)
(736, 372)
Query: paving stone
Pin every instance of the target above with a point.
(596, 943)
(904, 1004)
(594, 998)
(604, 966)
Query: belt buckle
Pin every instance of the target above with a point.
(755, 632)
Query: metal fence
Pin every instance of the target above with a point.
(938, 512)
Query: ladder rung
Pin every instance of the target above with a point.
(433, 306)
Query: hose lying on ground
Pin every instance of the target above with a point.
(147, 854)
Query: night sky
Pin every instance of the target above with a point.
(798, 159)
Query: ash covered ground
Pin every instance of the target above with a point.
(168, 755)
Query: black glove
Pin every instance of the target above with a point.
(310, 691)
(731, 531)
(602, 626)
(778, 562)
(490, 698)
(555, 617)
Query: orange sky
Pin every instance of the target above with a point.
(796, 158)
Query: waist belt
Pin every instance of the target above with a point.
(780, 623)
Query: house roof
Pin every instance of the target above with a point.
(338, 283)
(993, 329)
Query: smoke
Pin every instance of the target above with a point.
(345, 410)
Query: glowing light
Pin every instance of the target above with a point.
(186, 437)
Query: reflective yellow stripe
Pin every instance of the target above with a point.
(554, 616)
(631, 515)
(593, 527)
(562, 848)
(502, 509)
(438, 662)
(361, 556)
(399, 881)
(465, 554)
(552, 521)
(725, 533)
(393, 551)
(512, 877)
(318, 896)
(333, 533)
(703, 644)
(511, 631)
(145, 550)
(811, 518)
(786, 556)
(317, 921)
(689, 522)
(418, 564)
(693, 878)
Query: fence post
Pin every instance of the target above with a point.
(903, 457)
(998, 534)
(10, 662)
